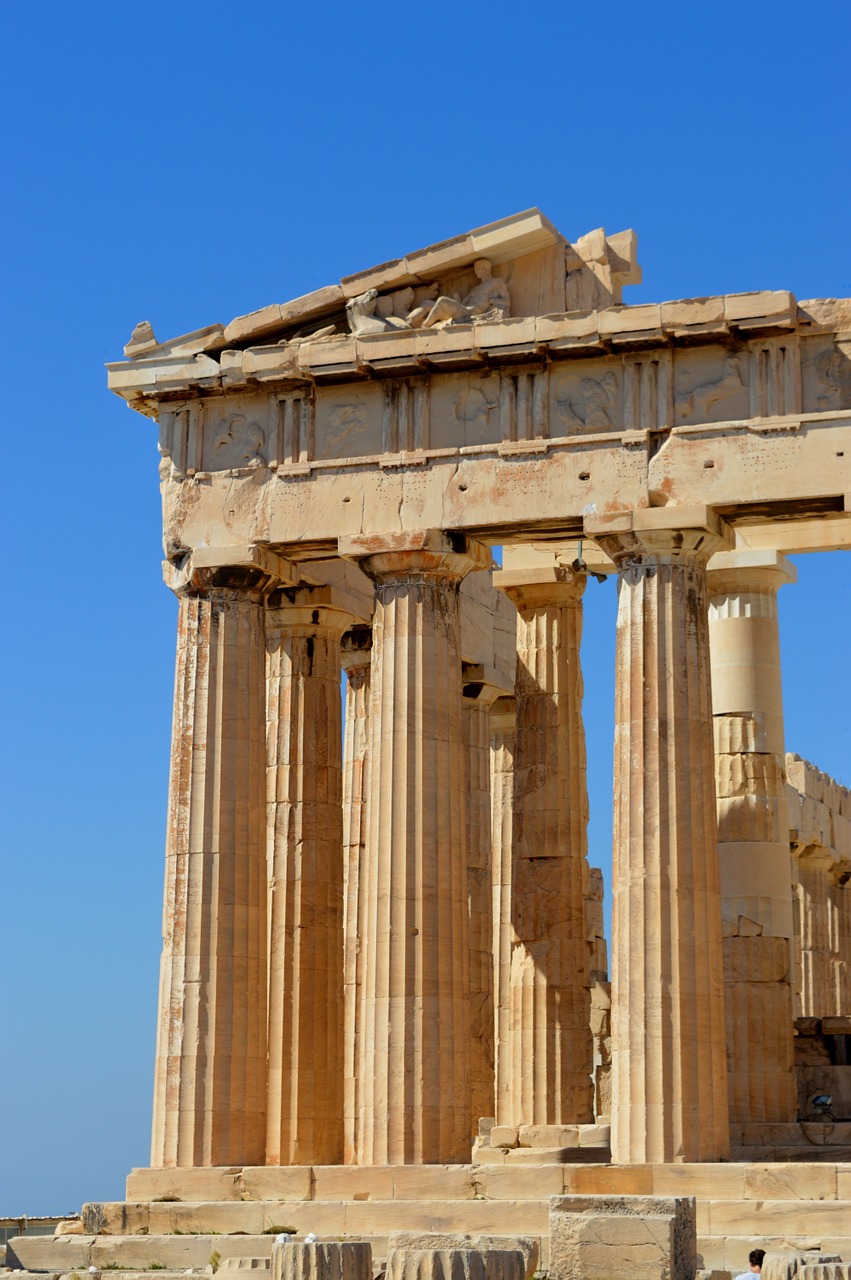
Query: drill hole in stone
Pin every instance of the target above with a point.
(463, 488)
(347, 499)
(584, 475)
(708, 464)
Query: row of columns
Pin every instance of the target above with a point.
(402, 860)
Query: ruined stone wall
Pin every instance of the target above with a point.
(820, 842)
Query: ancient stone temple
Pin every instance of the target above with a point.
(385, 1000)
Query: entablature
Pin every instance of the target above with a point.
(444, 409)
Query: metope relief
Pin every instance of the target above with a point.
(233, 443)
(348, 422)
(233, 440)
(464, 411)
(710, 386)
(586, 402)
(826, 375)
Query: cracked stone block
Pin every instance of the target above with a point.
(455, 1264)
(633, 1237)
(297, 1260)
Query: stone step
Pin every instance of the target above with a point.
(727, 1229)
(172, 1256)
(730, 1253)
(716, 1216)
(796, 1155)
(818, 1178)
(353, 1218)
(126, 1274)
(131, 1252)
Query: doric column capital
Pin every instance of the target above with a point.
(633, 539)
(433, 553)
(356, 650)
(504, 715)
(814, 857)
(542, 588)
(481, 684)
(737, 572)
(308, 609)
(241, 568)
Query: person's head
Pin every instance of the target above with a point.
(482, 268)
(755, 1258)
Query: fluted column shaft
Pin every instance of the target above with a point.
(503, 730)
(210, 1079)
(356, 656)
(840, 895)
(305, 824)
(753, 832)
(549, 1033)
(818, 938)
(668, 1031)
(478, 699)
(414, 1065)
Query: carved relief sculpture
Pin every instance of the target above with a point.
(239, 443)
(413, 309)
(834, 371)
(699, 401)
(488, 300)
(592, 407)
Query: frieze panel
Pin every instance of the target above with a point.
(587, 398)
(349, 421)
(465, 410)
(710, 385)
(520, 408)
(826, 374)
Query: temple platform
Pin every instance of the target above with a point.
(180, 1219)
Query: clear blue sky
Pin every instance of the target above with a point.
(187, 163)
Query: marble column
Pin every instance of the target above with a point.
(669, 1096)
(817, 932)
(210, 1077)
(414, 1061)
(356, 656)
(479, 696)
(503, 732)
(549, 1035)
(753, 832)
(305, 827)
(840, 896)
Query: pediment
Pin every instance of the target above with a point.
(515, 267)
